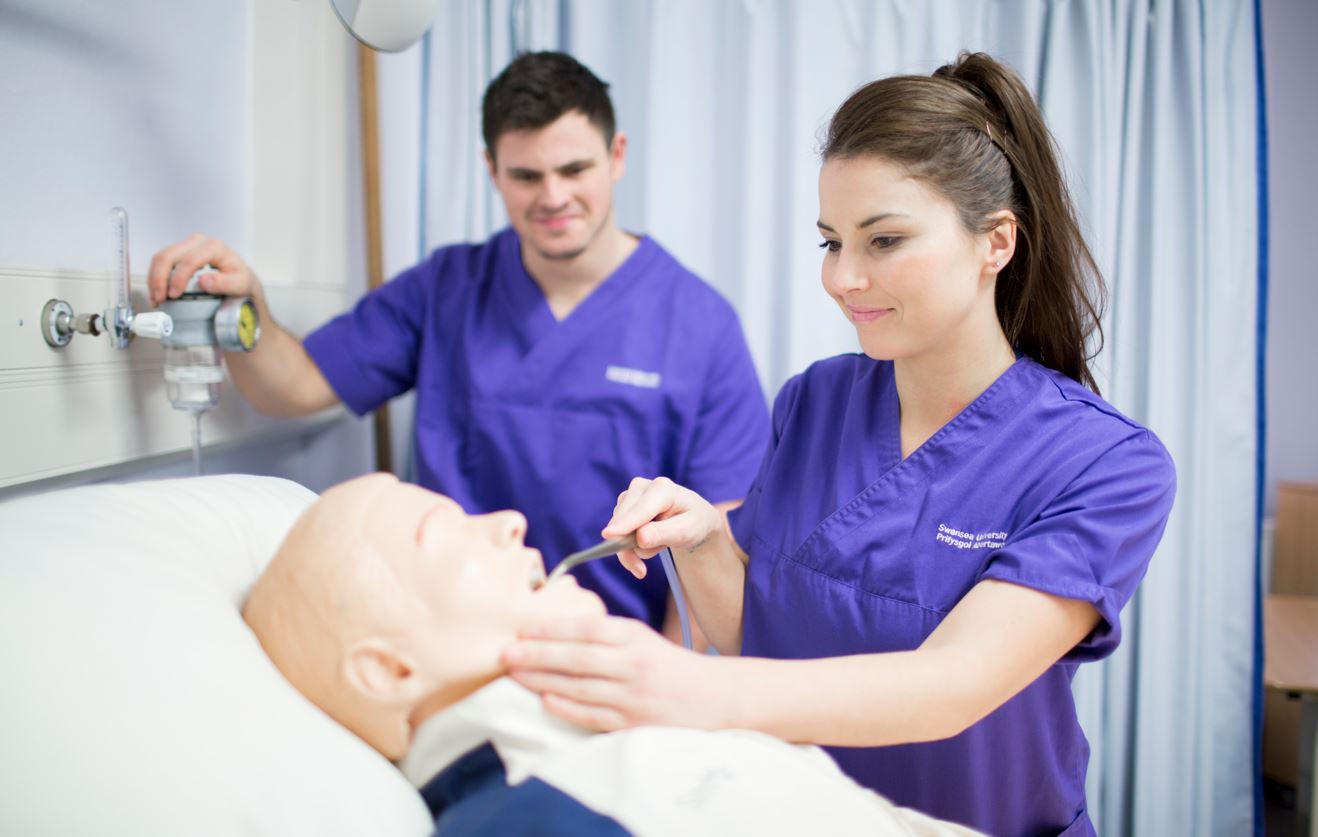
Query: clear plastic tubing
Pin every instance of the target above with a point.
(196, 442)
(675, 584)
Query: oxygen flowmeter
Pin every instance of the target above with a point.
(59, 323)
(204, 326)
(194, 329)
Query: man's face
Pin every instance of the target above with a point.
(557, 183)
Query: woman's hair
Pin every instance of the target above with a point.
(973, 133)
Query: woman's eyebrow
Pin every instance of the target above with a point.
(873, 219)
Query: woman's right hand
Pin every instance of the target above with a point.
(662, 514)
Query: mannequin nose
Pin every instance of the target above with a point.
(508, 527)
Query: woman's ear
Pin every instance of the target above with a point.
(1001, 240)
(376, 670)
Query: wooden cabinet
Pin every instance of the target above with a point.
(1294, 573)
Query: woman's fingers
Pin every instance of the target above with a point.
(642, 509)
(587, 690)
(585, 647)
(595, 718)
(681, 530)
(639, 504)
(634, 564)
(620, 674)
(604, 630)
(578, 659)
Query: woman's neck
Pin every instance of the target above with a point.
(934, 387)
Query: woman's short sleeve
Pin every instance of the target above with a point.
(1094, 541)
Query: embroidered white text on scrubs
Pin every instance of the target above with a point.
(632, 377)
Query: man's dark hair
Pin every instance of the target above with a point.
(539, 87)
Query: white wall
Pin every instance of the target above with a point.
(233, 119)
(1290, 28)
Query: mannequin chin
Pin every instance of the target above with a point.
(387, 603)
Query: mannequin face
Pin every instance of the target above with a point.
(455, 568)
(387, 602)
(468, 581)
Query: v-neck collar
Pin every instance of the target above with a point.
(529, 307)
(898, 476)
(981, 402)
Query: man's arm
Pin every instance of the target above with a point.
(278, 377)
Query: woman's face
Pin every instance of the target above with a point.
(897, 260)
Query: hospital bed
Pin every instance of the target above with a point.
(136, 701)
(134, 698)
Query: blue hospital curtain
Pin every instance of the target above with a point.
(1154, 105)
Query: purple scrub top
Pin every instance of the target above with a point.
(650, 375)
(854, 550)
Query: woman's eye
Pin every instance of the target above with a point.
(830, 246)
(886, 242)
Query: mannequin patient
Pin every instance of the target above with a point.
(387, 606)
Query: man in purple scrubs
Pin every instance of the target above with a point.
(552, 363)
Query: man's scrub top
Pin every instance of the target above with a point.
(854, 550)
(496, 763)
(649, 376)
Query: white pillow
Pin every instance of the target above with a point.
(135, 700)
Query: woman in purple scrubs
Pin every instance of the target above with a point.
(946, 525)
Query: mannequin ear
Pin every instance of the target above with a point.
(378, 671)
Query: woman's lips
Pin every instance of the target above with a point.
(865, 315)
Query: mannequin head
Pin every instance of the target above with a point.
(387, 602)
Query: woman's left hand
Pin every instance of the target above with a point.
(607, 673)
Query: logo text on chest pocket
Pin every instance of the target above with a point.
(632, 377)
(962, 539)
